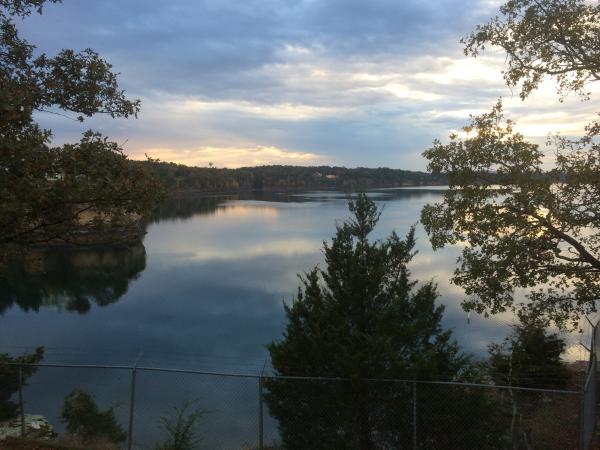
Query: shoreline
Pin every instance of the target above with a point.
(275, 189)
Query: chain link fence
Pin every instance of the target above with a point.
(263, 412)
(589, 401)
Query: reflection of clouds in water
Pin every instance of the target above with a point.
(225, 285)
(262, 245)
(246, 227)
(248, 251)
(236, 210)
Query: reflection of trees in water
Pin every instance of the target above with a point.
(72, 279)
(185, 206)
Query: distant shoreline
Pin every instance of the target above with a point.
(178, 178)
(274, 189)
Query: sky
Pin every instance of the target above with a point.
(300, 82)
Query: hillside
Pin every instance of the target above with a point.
(181, 178)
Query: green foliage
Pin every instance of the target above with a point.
(523, 227)
(557, 38)
(530, 357)
(46, 192)
(83, 418)
(9, 379)
(178, 177)
(181, 428)
(23, 8)
(351, 326)
(364, 318)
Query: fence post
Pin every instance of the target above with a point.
(414, 430)
(588, 408)
(260, 413)
(131, 405)
(21, 404)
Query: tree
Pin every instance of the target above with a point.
(83, 418)
(526, 229)
(522, 227)
(88, 191)
(541, 38)
(530, 357)
(362, 319)
(9, 379)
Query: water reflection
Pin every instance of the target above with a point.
(206, 294)
(224, 261)
(72, 280)
(186, 206)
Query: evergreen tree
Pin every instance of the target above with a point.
(83, 418)
(530, 357)
(363, 318)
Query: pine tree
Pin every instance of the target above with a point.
(364, 318)
(83, 418)
(530, 357)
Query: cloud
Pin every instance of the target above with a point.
(280, 111)
(354, 82)
(233, 157)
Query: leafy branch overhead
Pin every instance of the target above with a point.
(544, 38)
(79, 82)
(529, 228)
(521, 226)
(48, 194)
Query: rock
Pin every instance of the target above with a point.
(36, 427)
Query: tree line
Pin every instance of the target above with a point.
(181, 178)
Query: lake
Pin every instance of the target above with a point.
(204, 292)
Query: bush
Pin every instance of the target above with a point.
(530, 357)
(181, 428)
(84, 419)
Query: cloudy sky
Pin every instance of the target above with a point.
(341, 82)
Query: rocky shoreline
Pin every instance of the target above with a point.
(36, 427)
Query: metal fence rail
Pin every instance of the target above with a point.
(589, 393)
(249, 411)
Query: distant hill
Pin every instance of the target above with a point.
(181, 178)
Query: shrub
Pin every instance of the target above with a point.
(83, 418)
(181, 428)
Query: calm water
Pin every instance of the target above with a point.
(204, 292)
